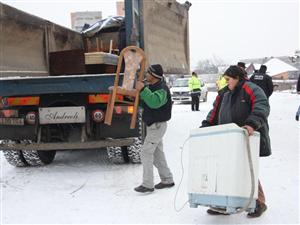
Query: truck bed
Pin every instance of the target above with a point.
(21, 86)
(159, 27)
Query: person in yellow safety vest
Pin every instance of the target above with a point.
(221, 82)
(195, 89)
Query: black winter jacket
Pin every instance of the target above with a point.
(264, 81)
(248, 106)
(156, 114)
(298, 84)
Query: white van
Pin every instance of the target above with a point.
(180, 91)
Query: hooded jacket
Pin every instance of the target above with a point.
(264, 81)
(245, 105)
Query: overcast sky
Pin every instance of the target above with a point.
(227, 29)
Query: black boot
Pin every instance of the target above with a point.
(259, 210)
(143, 189)
(163, 185)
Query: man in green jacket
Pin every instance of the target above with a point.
(195, 89)
(157, 105)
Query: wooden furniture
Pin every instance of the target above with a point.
(134, 59)
(100, 58)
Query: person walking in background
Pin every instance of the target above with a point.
(246, 105)
(298, 92)
(242, 65)
(195, 89)
(157, 104)
(298, 85)
(221, 82)
(263, 80)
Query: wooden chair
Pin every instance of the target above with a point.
(135, 60)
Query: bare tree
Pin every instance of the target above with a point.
(217, 61)
(206, 66)
(209, 66)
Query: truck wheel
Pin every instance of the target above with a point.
(39, 158)
(15, 158)
(134, 151)
(117, 155)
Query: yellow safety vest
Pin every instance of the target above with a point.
(194, 83)
(221, 82)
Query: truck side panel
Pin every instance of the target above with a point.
(161, 28)
(166, 35)
(26, 40)
(56, 85)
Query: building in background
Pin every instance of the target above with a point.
(120, 8)
(78, 19)
(293, 61)
(284, 70)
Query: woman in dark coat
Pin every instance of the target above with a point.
(298, 91)
(246, 105)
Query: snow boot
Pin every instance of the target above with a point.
(259, 210)
(143, 189)
(163, 185)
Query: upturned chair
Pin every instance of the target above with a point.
(135, 60)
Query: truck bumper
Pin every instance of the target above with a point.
(18, 132)
(67, 145)
(182, 99)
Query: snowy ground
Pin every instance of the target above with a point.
(82, 187)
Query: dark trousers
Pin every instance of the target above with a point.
(195, 102)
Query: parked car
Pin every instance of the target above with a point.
(180, 91)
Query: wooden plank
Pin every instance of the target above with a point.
(100, 58)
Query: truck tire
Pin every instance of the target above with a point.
(117, 155)
(134, 150)
(39, 158)
(15, 158)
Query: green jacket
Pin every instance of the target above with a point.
(194, 84)
(157, 104)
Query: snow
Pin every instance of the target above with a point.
(276, 66)
(256, 65)
(82, 187)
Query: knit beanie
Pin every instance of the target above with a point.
(156, 70)
(235, 72)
